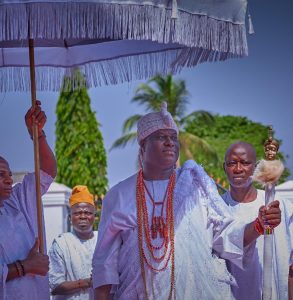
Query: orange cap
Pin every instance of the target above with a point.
(81, 194)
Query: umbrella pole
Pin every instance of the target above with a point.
(36, 149)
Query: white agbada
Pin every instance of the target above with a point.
(249, 281)
(202, 223)
(18, 232)
(70, 260)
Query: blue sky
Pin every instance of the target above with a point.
(259, 87)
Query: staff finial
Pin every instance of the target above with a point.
(271, 146)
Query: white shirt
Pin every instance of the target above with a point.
(70, 260)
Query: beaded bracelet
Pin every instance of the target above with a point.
(79, 283)
(18, 268)
(22, 266)
(89, 283)
(257, 227)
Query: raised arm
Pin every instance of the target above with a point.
(272, 215)
(47, 158)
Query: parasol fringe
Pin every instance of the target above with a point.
(121, 21)
(207, 33)
(108, 72)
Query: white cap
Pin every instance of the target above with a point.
(154, 121)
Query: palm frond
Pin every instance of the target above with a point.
(173, 92)
(145, 89)
(186, 151)
(160, 81)
(130, 123)
(124, 140)
(146, 94)
(192, 144)
(205, 116)
(163, 88)
(178, 97)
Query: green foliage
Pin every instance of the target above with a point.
(98, 204)
(80, 152)
(151, 95)
(225, 131)
(165, 89)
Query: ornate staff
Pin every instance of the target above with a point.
(268, 172)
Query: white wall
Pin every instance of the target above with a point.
(55, 203)
(285, 190)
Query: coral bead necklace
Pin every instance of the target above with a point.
(158, 223)
(160, 228)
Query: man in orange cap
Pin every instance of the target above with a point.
(71, 253)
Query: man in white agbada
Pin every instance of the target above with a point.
(72, 252)
(160, 226)
(244, 201)
(22, 268)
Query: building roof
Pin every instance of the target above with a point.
(56, 187)
(285, 186)
(18, 176)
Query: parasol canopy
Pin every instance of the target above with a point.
(111, 42)
(115, 41)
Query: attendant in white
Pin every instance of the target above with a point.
(162, 228)
(23, 270)
(72, 252)
(244, 201)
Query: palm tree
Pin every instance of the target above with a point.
(175, 94)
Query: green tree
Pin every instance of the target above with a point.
(225, 131)
(80, 152)
(152, 94)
